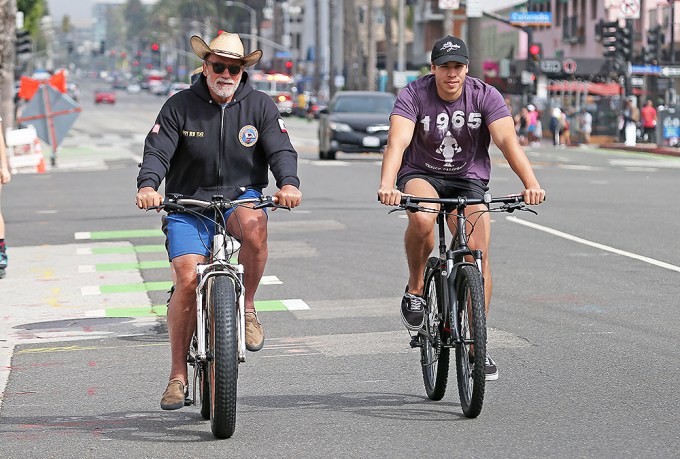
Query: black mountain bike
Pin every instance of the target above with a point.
(218, 344)
(454, 302)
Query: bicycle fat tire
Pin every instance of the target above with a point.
(434, 357)
(471, 351)
(223, 344)
(204, 388)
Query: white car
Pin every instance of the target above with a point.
(177, 87)
(133, 88)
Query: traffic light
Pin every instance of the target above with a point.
(625, 40)
(609, 34)
(655, 39)
(155, 48)
(24, 43)
(535, 52)
(289, 66)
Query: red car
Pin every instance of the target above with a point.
(104, 96)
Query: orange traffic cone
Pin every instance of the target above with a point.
(40, 168)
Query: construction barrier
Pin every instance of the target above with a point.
(24, 151)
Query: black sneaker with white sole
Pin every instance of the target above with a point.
(490, 369)
(412, 307)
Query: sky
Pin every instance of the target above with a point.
(80, 11)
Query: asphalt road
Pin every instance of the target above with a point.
(582, 324)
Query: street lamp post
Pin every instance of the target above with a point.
(253, 14)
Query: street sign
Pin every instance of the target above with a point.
(670, 71)
(629, 9)
(449, 4)
(473, 8)
(645, 69)
(538, 18)
(52, 114)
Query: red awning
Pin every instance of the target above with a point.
(599, 89)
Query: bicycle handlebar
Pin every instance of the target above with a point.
(181, 203)
(463, 201)
(510, 202)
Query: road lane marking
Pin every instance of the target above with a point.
(151, 286)
(155, 264)
(121, 234)
(149, 248)
(597, 245)
(161, 309)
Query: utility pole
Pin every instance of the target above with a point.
(389, 47)
(448, 22)
(401, 58)
(672, 21)
(333, 13)
(371, 65)
(317, 47)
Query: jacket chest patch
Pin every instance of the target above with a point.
(248, 136)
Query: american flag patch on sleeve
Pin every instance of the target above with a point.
(156, 128)
(282, 126)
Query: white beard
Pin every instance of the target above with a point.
(224, 91)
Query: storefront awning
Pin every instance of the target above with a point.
(598, 89)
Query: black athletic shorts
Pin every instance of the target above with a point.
(448, 187)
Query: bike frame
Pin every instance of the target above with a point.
(451, 261)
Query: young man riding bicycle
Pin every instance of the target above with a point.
(218, 137)
(438, 146)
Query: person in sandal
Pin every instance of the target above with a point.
(219, 137)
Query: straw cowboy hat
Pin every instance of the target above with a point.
(227, 45)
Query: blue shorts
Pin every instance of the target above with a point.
(190, 234)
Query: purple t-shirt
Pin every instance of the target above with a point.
(451, 139)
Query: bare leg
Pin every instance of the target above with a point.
(419, 237)
(250, 227)
(182, 313)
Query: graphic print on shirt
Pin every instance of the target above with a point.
(448, 149)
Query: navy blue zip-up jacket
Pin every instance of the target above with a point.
(202, 149)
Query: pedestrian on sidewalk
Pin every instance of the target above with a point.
(631, 117)
(585, 123)
(648, 114)
(5, 177)
(556, 125)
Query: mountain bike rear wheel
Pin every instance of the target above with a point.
(223, 348)
(471, 350)
(434, 358)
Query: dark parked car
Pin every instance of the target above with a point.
(355, 122)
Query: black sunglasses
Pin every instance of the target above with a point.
(220, 67)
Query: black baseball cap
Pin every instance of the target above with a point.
(449, 49)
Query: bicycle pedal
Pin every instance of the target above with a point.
(188, 401)
(415, 342)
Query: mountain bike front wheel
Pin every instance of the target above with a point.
(223, 353)
(434, 358)
(471, 350)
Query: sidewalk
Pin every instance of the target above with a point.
(643, 148)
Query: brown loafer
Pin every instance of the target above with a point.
(254, 332)
(174, 395)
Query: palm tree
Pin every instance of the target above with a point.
(8, 11)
